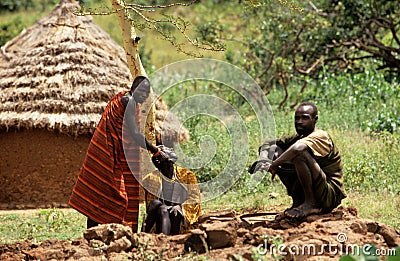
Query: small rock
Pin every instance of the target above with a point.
(119, 256)
(118, 245)
(142, 238)
(285, 224)
(390, 235)
(196, 241)
(338, 214)
(372, 226)
(12, 206)
(221, 234)
(107, 232)
(179, 239)
(248, 238)
(242, 231)
(352, 210)
(80, 254)
(3, 206)
(55, 204)
(379, 238)
(359, 228)
(96, 243)
(95, 251)
(77, 242)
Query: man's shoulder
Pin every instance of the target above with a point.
(182, 170)
(319, 133)
(152, 176)
(125, 97)
(184, 173)
(287, 138)
(319, 142)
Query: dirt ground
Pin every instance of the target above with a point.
(225, 235)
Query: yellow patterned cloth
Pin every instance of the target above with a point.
(152, 184)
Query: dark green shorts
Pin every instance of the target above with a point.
(324, 191)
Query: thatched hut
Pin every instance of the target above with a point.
(55, 80)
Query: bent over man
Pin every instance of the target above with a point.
(106, 190)
(308, 164)
(172, 196)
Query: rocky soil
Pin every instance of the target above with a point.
(224, 235)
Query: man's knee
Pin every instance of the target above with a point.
(163, 210)
(302, 152)
(305, 157)
(154, 205)
(274, 152)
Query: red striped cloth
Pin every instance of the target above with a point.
(106, 191)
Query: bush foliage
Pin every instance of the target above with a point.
(360, 111)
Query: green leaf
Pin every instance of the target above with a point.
(347, 258)
(396, 256)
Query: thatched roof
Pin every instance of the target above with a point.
(60, 73)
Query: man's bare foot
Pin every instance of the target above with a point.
(283, 214)
(302, 211)
(280, 216)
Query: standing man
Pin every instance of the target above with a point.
(106, 190)
(308, 164)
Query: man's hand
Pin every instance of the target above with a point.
(260, 165)
(272, 170)
(175, 210)
(166, 153)
(162, 155)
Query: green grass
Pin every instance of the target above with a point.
(376, 205)
(252, 199)
(36, 227)
(40, 225)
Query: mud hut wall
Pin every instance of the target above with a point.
(38, 168)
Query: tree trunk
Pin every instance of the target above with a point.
(131, 43)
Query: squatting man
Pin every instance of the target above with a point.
(308, 163)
